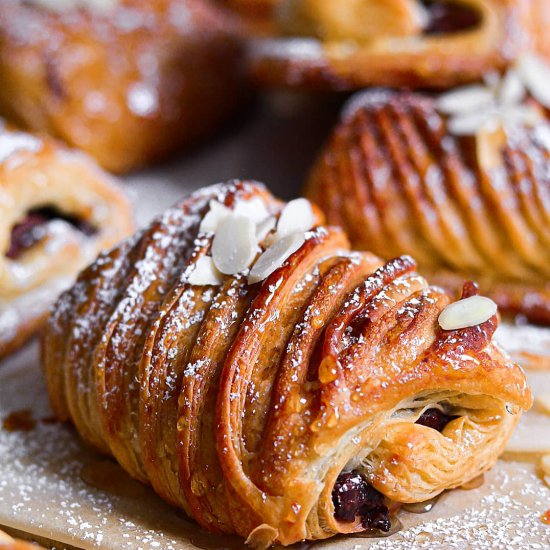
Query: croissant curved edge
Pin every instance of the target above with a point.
(465, 206)
(254, 407)
(58, 210)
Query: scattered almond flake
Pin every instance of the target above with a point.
(275, 256)
(469, 312)
(535, 74)
(216, 214)
(205, 273)
(511, 90)
(545, 464)
(542, 401)
(297, 217)
(496, 104)
(465, 99)
(265, 227)
(254, 209)
(234, 245)
(468, 124)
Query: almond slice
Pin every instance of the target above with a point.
(468, 124)
(542, 401)
(205, 273)
(535, 74)
(545, 464)
(297, 217)
(265, 227)
(469, 312)
(547, 480)
(255, 209)
(275, 256)
(466, 99)
(211, 221)
(511, 90)
(234, 245)
(522, 115)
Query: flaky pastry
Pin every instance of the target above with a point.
(397, 178)
(129, 83)
(311, 403)
(57, 211)
(350, 44)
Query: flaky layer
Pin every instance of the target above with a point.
(243, 403)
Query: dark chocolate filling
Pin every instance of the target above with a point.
(353, 496)
(449, 17)
(434, 418)
(31, 229)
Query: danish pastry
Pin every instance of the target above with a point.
(352, 44)
(57, 210)
(128, 83)
(466, 197)
(258, 374)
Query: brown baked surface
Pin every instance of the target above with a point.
(129, 86)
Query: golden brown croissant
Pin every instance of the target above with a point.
(351, 44)
(57, 211)
(402, 177)
(306, 396)
(129, 84)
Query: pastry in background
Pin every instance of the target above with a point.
(459, 181)
(57, 211)
(240, 358)
(351, 44)
(129, 81)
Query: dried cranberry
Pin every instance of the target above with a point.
(434, 418)
(30, 230)
(353, 496)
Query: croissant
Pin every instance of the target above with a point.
(57, 211)
(352, 44)
(402, 177)
(306, 396)
(130, 83)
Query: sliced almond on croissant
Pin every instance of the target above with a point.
(275, 256)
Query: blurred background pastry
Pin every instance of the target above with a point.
(351, 44)
(127, 81)
(459, 180)
(57, 211)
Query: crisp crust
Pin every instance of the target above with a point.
(241, 404)
(319, 55)
(129, 86)
(40, 173)
(395, 178)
